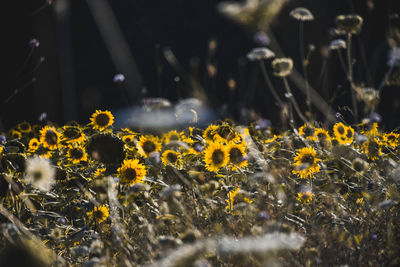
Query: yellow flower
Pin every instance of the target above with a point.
(99, 172)
(373, 130)
(304, 197)
(173, 158)
(231, 198)
(24, 127)
(33, 145)
(76, 154)
(308, 131)
(148, 144)
(128, 139)
(306, 163)
(101, 120)
(215, 156)
(171, 136)
(225, 134)
(49, 137)
(132, 172)
(237, 155)
(72, 134)
(391, 139)
(323, 137)
(373, 148)
(210, 132)
(99, 214)
(15, 134)
(343, 134)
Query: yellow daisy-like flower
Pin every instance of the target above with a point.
(308, 131)
(99, 172)
(237, 155)
(128, 139)
(215, 156)
(171, 136)
(148, 144)
(33, 145)
(391, 139)
(343, 134)
(373, 148)
(99, 214)
(306, 163)
(24, 127)
(323, 137)
(373, 130)
(132, 172)
(225, 134)
(72, 134)
(304, 197)
(77, 154)
(15, 134)
(210, 132)
(172, 157)
(101, 120)
(231, 199)
(50, 138)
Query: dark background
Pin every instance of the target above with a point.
(76, 76)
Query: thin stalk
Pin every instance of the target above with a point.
(350, 77)
(270, 85)
(342, 61)
(293, 100)
(387, 74)
(303, 63)
(25, 62)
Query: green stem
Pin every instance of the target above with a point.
(270, 85)
(293, 100)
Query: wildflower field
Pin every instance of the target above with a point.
(308, 192)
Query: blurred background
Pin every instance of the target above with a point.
(62, 57)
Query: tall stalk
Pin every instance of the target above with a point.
(293, 100)
(270, 85)
(350, 77)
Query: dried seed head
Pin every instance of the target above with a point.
(359, 165)
(337, 44)
(260, 53)
(301, 13)
(349, 24)
(282, 66)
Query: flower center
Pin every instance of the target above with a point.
(76, 153)
(217, 157)
(51, 137)
(340, 129)
(130, 174)
(235, 155)
(102, 119)
(172, 157)
(307, 159)
(37, 175)
(149, 147)
(308, 131)
(349, 134)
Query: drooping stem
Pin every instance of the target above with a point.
(293, 100)
(350, 77)
(270, 85)
(303, 63)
